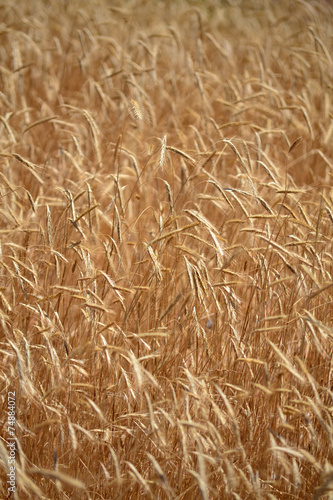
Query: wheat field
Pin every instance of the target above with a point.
(166, 260)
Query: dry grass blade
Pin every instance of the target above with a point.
(162, 153)
(181, 153)
(40, 122)
(58, 476)
(170, 306)
(286, 363)
(31, 167)
(140, 479)
(136, 109)
(172, 233)
(157, 266)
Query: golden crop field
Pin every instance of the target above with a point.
(166, 257)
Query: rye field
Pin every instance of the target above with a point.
(166, 253)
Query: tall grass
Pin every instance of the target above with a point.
(166, 248)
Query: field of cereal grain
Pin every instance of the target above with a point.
(166, 255)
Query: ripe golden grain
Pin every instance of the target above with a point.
(166, 248)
